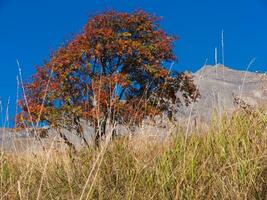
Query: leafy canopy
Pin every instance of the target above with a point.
(112, 69)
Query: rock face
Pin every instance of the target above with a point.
(220, 85)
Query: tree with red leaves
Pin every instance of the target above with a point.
(112, 71)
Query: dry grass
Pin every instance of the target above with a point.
(228, 161)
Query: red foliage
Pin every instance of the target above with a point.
(114, 68)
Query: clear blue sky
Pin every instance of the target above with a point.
(31, 29)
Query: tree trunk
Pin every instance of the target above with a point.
(100, 131)
(80, 130)
(67, 142)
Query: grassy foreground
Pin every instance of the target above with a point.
(227, 161)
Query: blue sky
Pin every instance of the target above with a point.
(31, 29)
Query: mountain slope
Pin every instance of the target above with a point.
(220, 85)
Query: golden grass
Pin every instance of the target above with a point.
(228, 161)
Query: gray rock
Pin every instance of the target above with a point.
(219, 85)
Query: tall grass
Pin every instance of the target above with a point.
(227, 161)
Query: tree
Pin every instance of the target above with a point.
(113, 70)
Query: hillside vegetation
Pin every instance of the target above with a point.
(226, 161)
(119, 72)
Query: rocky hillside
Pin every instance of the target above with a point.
(220, 86)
